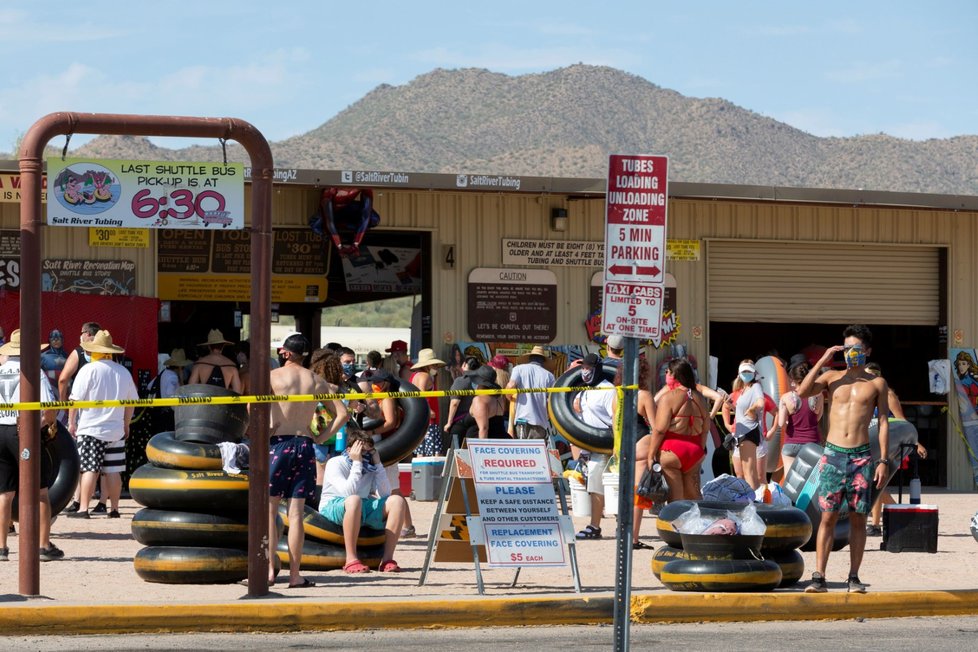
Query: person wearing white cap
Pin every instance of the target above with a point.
(10, 450)
(101, 432)
(748, 399)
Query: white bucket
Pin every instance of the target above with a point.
(610, 481)
(580, 499)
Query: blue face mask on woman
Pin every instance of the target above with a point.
(746, 376)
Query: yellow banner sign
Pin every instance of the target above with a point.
(10, 188)
(682, 249)
(237, 287)
(118, 237)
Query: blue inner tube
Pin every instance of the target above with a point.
(209, 492)
(166, 451)
(569, 423)
(62, 455)
(191, 565)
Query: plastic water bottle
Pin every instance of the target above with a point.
(915, 491)
(341, 440)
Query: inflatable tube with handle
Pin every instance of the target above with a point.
(664, 555)
(721, 575)
(801, 487)
(209, 492)
(773, 378)
(569, 423)
(319, 556)
(191, 565)
(320, 528)
(63, 456)
(166, 451)
(792, 566)
(414, 424)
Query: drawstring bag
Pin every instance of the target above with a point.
(652, 488)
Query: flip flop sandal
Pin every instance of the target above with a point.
(389, 566)
(639, 545)
(356, 566)
(589, 532)
(304, 584)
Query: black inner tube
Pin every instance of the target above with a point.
(569, 423)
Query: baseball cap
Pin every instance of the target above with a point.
(616, 342)
(55, 333)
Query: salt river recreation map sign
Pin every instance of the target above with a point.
(635, 244)
(145, 194)
(517, 504)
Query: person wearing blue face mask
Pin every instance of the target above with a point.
(846, 467)
(751, 445)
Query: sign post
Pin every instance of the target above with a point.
(634, 290)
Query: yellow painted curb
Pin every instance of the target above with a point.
(728, 607)
(273, 616)
(264, 616)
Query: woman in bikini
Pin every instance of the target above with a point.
(215, 368)
(682, 422)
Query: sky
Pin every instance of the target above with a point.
(831, 68)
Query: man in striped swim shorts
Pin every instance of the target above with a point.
(101, 432)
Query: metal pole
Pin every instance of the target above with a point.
(31, 148)
(626, 471)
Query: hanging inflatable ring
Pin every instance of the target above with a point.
(569, 423)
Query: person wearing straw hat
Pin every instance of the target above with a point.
(101, 432)
(10, 451)
(425, 378)
(532, 421)
(215, 368)
(165, 385)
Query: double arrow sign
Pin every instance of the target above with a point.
(629, 270)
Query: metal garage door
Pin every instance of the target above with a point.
(756, 281)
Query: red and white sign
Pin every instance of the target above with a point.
(635, 233)
(635, 245)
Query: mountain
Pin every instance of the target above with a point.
(565, 122)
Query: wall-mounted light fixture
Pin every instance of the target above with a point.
(558, 219)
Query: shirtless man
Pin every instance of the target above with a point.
(292, 460)
(847, 466)
(215, 368)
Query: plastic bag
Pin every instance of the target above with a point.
(692, 521)
(750, 521)
(772, 494)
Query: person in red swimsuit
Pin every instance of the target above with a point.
(682, 421)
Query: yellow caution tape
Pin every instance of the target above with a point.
(288, 398)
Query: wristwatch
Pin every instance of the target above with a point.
(882, 461)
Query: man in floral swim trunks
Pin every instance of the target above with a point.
(291, 456)
(847, 467)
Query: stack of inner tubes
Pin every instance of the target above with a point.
(62, 455)
(732, 570)
(195, 521)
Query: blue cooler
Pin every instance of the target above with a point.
(426, 475)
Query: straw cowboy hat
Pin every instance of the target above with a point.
(102, 343)
(177, 359)
(539, 350)
(13, 346)
(426, 358)
(215, 337)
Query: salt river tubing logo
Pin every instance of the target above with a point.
(87, 188)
